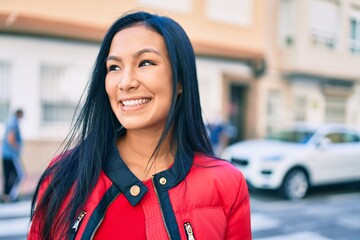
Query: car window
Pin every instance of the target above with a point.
(334, 137)
(348, 137)
(292, 136)
(343, 137)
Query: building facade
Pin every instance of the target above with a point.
(317, 58)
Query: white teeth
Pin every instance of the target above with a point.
(132, 103)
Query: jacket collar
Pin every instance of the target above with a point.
(124, 179)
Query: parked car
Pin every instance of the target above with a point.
(297, 158)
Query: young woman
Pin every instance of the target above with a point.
(141, 166)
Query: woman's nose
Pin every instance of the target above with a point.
(128, 80)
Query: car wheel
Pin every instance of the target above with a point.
(295, 185)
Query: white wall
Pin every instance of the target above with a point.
(26, 54)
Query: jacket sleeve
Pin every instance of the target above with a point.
(239, 224)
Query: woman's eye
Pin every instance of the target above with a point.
(113, 68)
(146, 63)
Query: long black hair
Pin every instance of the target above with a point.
(76, 172)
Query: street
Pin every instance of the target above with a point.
(326, 214)
(14, 220)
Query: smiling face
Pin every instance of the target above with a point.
(139, 79)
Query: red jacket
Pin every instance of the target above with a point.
(197, 198)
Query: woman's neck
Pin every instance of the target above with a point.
(136, 149)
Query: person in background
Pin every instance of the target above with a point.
(11, 157)
(220, 133)
(217, 135)
(141, 164)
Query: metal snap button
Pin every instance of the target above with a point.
(162, 181)
(135, 190)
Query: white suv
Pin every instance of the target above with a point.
(297, 158)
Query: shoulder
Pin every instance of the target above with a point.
(219, 180)
(216, 165)
(50, 171)
(218, 171)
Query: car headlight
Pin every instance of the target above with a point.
(273, 158)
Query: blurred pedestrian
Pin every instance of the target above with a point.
(142, 166)
(11, 157)
(220, 134)
(217, 136)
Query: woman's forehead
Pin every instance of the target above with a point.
(138, 34)
(138, 39)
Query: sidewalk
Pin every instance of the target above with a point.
(27, 187)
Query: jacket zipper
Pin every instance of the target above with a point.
(189, 231)
(162, 212)
(76, 225)
(102, 217)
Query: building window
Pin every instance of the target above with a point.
(183, 6)
(273, 112)
(335, 109)
(5, 81)
(325, 27)
(237, 12)
(300, 109)
(61, 88)
(287, 22)
(354, 42)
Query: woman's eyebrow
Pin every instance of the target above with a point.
(135, 55)
(112, 57)
(146, 50)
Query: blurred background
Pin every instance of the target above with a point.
(262, 65)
